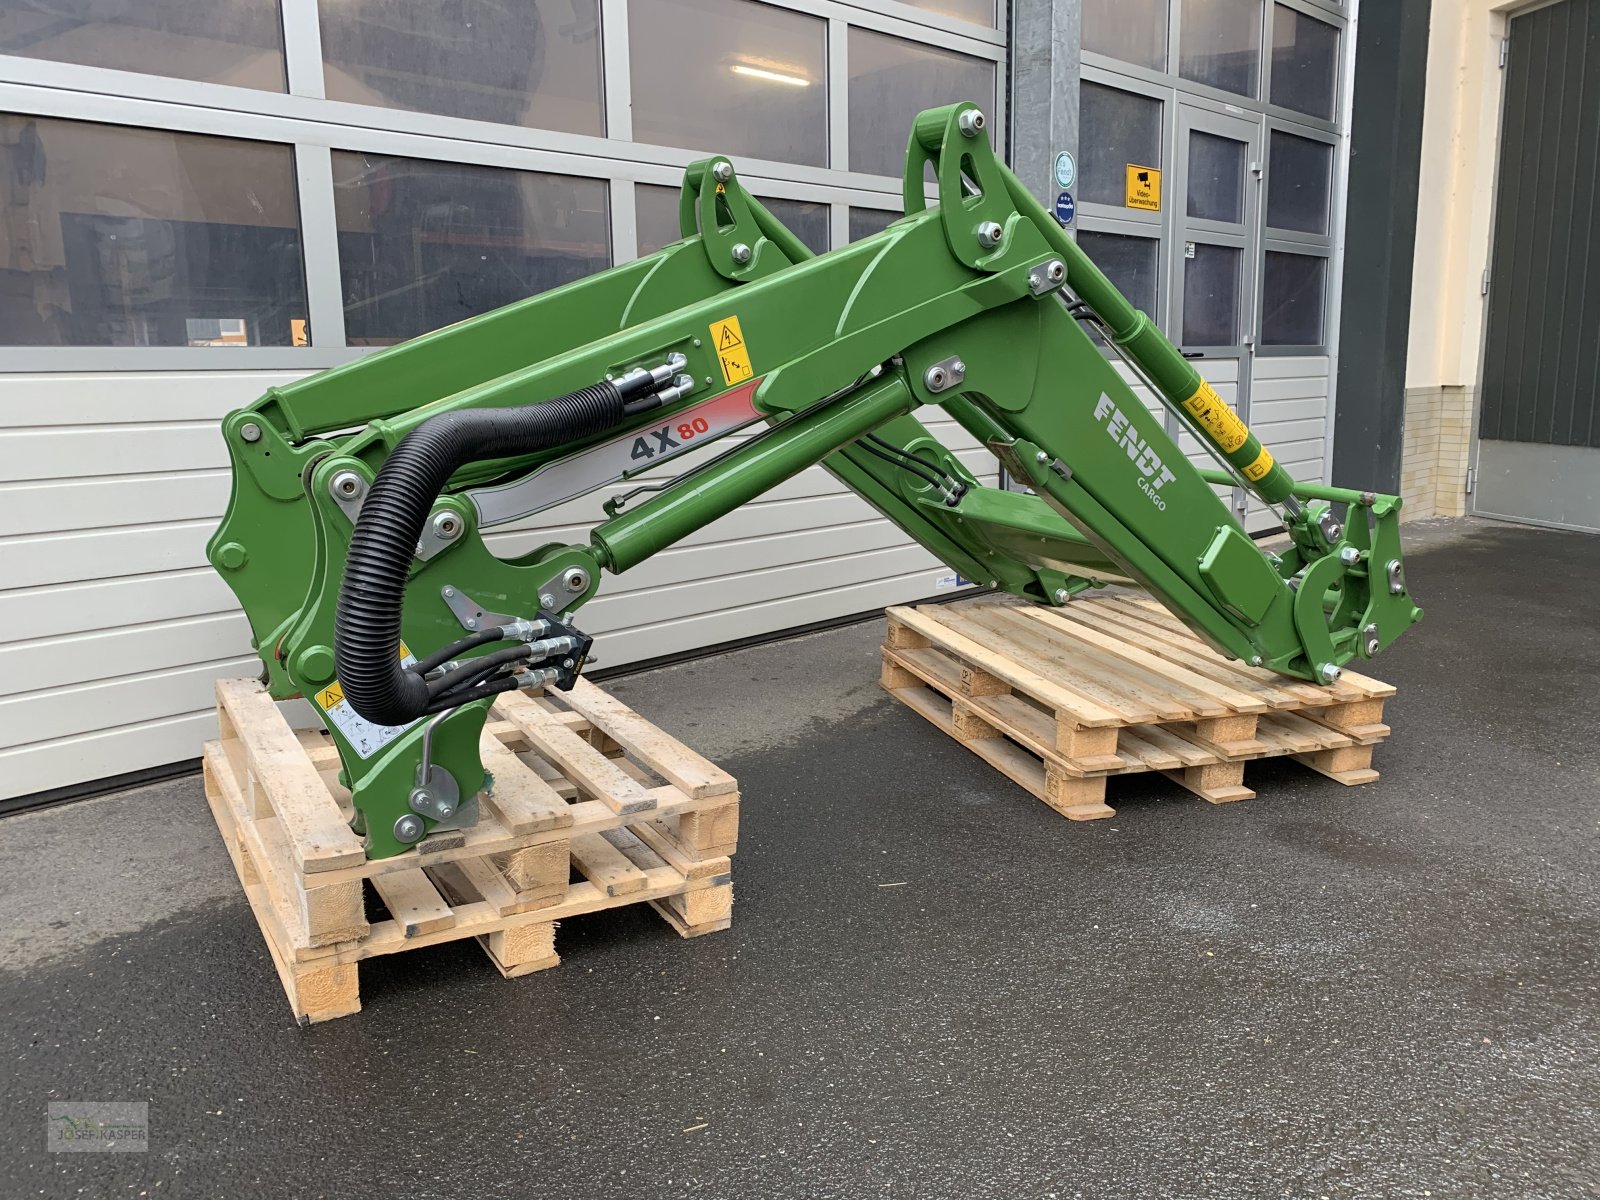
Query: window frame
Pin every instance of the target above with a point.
(313, 127)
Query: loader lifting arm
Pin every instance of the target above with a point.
(354, 537)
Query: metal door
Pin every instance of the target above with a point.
(1216, 198)
(1538, 454)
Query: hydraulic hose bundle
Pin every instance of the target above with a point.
(367, 625)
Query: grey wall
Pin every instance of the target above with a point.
(1375, 315)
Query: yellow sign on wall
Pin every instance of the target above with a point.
(1144, 188)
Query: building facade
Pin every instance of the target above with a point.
(204, 202)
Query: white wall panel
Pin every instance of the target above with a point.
(114, 625)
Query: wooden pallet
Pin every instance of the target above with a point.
(1060, 699)
(583, 786)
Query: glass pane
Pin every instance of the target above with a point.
(1216, 178)
(1211, 296)
(424, 244)
(730, 77)
(656, 218)
(1299, 183)
(1131, 31)
(238, 42)
(1219, 43)
(536, 65)
(1118, 128)
(980, 12)
(864, 222)
(1292, 293)
(807, 221)
(1130, 263)
(111, 236)
(1305, 63)
(892, 80)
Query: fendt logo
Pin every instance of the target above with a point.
(1144, 458)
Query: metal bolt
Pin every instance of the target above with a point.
(1397, 579)
(1041, 457)
(971, 122)
(1334, 532)
(1369, 637)
(935, 378)
(408, 828)
(1255, 660)
(1056, 270)
(471, 622)
(446, 524)
(990, 234)
(449, 592)
(1349, 556)
(250, 431)
(444, 808)
(575, 580)
(722, 171)
(741, 252)
(547, 601)
(567, 662)
(696, 342)
(346, 483)
(1062, 595)
(1329, 673)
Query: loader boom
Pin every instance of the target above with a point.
(354, 537)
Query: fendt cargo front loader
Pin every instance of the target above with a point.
(354, 536)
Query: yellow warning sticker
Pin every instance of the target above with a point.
(1259, 468)
(1143, 188)
(365, 737)
(732, 354)
(1217, 419)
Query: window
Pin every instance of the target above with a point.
(864, 222)
(535, 65)
(1299, 183)
(424, 244)
(1119, 128)
(1131, 31)
(730, 77)
(1211, 296)
(1219, 43)
(1131, 263)
(892, 80)
(656, 210)
(979, 12)
(111, 236)
(1216, 178)
(1305, 63)
(238, 42)
(1294, 290)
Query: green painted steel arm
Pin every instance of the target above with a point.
(826, 359)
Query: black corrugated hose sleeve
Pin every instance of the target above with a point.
(366, 634)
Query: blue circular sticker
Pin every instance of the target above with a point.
(1066, 208)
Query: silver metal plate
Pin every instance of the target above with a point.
(627, 454)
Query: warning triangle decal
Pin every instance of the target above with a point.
(729, 339)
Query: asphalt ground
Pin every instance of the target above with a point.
(1387, 991)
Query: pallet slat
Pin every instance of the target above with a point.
(1013, 683)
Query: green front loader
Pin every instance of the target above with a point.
(354, 536)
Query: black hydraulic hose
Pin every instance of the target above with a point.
(475, 669)
(928, 477)
(916, 458)
(456, 700)
(367, 622)
(443, 655)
